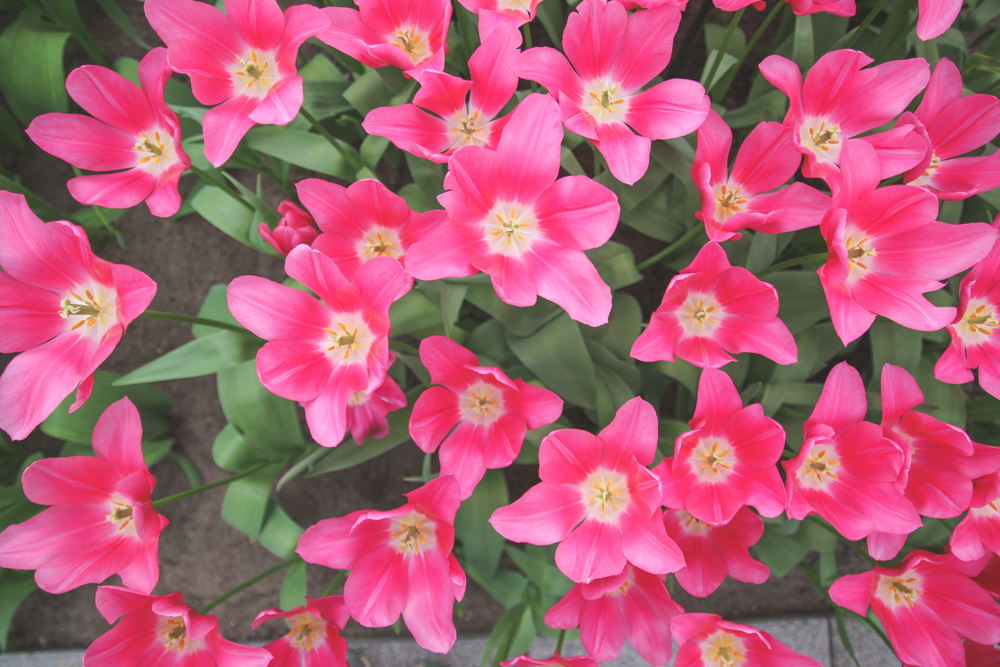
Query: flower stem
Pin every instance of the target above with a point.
(559, 642)
(207, 487)
(403, 347)
(332, 140)
(708, 605)
(176, 317)
(853, 545)
(709, 80)
(247, 584)
(333, 584)
(847, 41)
(690, 234)
(201, 173)
(775, 10)
(795, 261)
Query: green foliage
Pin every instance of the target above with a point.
(31, 69)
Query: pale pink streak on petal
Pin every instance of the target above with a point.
(428, 608)
(568, 456)
(442, 93)
(435, 413)
(410, 129)
(491, 66)
(602, 625)
(632, 433)
(111, 98)
(327, 413)
(461, 455)
(294, 370)
(378, 587)
(117, 438)
(936, 16)
(550, 68)
(30, 315)
(259, 22)
(273, 311)
(645, 543)
(69, 481)
(569, 279)
(593, 36)
(529, 150)
(767, 159)
(645, 47)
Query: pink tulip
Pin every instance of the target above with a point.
(840, 100)
(846, 470)
(611, 56)
(835, 7)
(954, 125)
(936, 16)
(978, 534)
(62, 307)
(243, 58)
(132, 129)
(601, 483)
(557, 660)
(711, 309)
(712, 552)
(727, 460)
(400, 562)
(886, 250)
(632, 604)
(313, 638)
(479, 416)
(366, 413)
(740, 200)
(706, 640)
(295, 228)
(363, 221)
(509, 217)
(453, 121)
(321, 352)
(926, 605)
(162, 630)
(101, 520)
(411, 35)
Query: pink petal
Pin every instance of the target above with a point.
(259, 22)
(428, 608)
(648, 611)
(717, 399)
(84, 142)
(550, 68)
(111, 98)
(461, 456)
(118, 437)
(491, 67)
(301, 23)
(320, 274)
(767, 159)
(442, 94)
(842, 401)
(512, 279)
(327, 413)
(30, 315)
(784, 75)
(632, 433)
(578, 213)
(194, 21)
(900, 393)
(537, 406)
(968, 124)
(340, 542)
(645, 543)
(627, 153)
(135, 291)
(953, 248)
(544, 515)
(943, 88)
(294, 370)
(602, 625)
(435, 413)
(670, 109)
(529, 150)
(447, 254)
(276, 312)
(211, 71)
(448, 362)
(702, 352)
(504, 440)
(771, 339)
(377, 588)
(565, 614)
(593, 550)
(569, 456)
(225, 125)
(850, 320)
(281, 105)
(898, 149)
(900, 299)
(645, 47)
(122, 189)
(74, 480)
(593, 35)
(569, 279)
(410, 128)
(936, 16)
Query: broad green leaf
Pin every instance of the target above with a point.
(266, 420)
(31, 69)
(728, 61)
(778, 552)
(893, 344)
(301, 148)
(481, 545)
(802, 45)
(506, 586)
(802, 302)
(65, 14)
(202, 356)
(214, 307)
(807, 345)
(10, 130)
(751, 112)
(224, 212)
(293, 587)
(502, 635)
(413, 312)
(616, 265)
(15, 585)
(372, 150)
(347, 454)
(119, 18)
(246, 503)
(232, 452)
(682, 371)
(763, 249)
(518, 321)
(569, 162)
(557, 355)
(941, 400)
(553, 20)
(280, 533)
(538, 566)
(623, 327)
(452, 298)
(368, 91)
(325, 99)
(153, 406)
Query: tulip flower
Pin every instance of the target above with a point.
(243, 58)
(706, 640)
(295, 228)
(926, 605)
(632, 604)
(400, 562)
(489, 412)
(162, 629)
(556, 660)
(597, 499)
(510, 217)
(752, 195)
(366, 413)
(728, 458)
(63, 308)
(132, 129)
(610, 56)
(711, 309)
(320, 353)
(979, 532)
(313, 638)
(101, 520)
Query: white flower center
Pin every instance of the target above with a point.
(605, 102)
(605, 493)
(412, 533)
(92, 310)
(348, 339)
(255, 74)
(481, 404)
(510, 228)
(413, 42)
(820, 137)
(699, 315)
(712, 460)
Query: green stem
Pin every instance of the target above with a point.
(847, 41)
(692, 34)
(559, 642)
(708, 605)
(722, 48)
(403, 347)
(333, 584)
(795, 261)
(775, 10)
(176, 317)
(526, 32)
(207, 487)
(247, 584)
(332, 140)
(853, 545)
(690, 234)
(201, 173)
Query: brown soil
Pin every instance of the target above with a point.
(200, 555)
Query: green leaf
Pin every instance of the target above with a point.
(801, 297)
(246, 503)
(347, 454)
(31, 69)
(553, 20)
(894, 344)
(452, 298)
(728, 60)
(616, 265)
(153, 406)
(119, 18)
(558, 356)
(224, 212)
(481, 545)
(232, 452)
(10, 130)
(65, 14)
(518, 321)
(214, 307)
(623, 327)
(944, 401)
(502, 635)
(301, 148)
(778, 552)
(293, 588)
(15, 585)
(202, 356)
(266, 420)
(413, 312)
(763, 249)
(369, 91)
(538, 565)
(506, 586)
(802, 45)
(280, 533)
